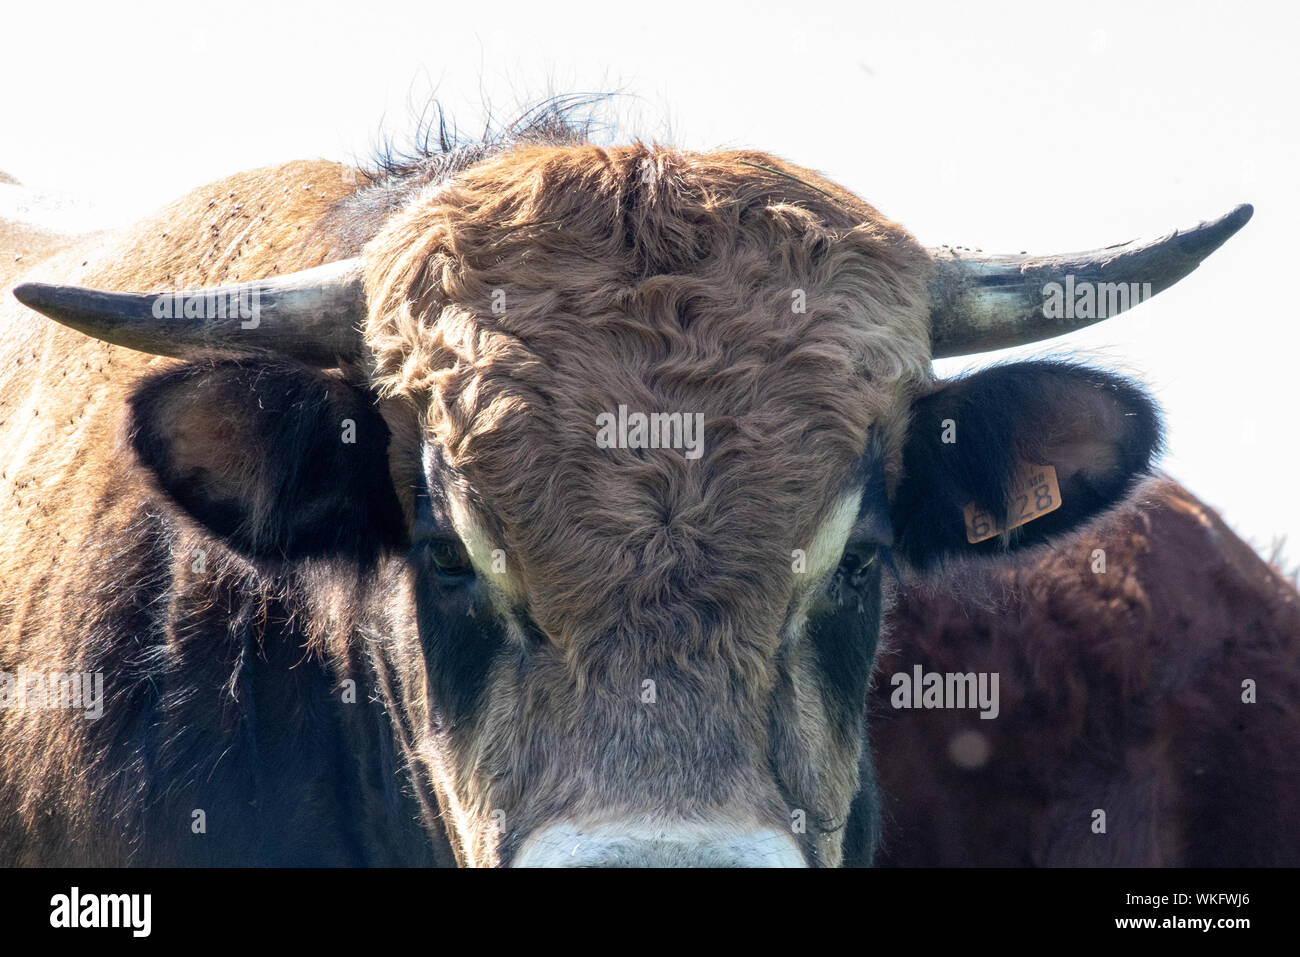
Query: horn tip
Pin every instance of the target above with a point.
(30, 294)
(1235, 218)
(1204, 239)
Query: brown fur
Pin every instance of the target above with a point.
(607, 257)
(71, 495)
(1120, 691)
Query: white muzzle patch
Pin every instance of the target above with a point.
(630, 844)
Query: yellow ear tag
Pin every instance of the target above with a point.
(1035, 494)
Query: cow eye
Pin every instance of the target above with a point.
(857, 559)
(449, 557)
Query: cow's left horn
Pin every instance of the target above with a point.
(312, 315)
(979, 302)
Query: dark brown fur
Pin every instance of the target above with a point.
(1121, 691)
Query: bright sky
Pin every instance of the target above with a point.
(1005, 127)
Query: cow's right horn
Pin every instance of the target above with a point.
(312, 315)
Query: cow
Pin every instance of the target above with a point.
(525, 504)
(1149, 702)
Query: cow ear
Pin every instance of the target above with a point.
(972, 440)
(278, 460)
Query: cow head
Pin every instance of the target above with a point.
(637, 434)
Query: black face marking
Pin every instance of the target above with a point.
(434, 541)
(843, 631)
(459, 632)
(872, 530)
(844, 627)
(862, 832)
(873, 523)
(534, 638)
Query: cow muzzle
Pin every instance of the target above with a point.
(626, 844)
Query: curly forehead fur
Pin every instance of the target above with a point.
(522, 299)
